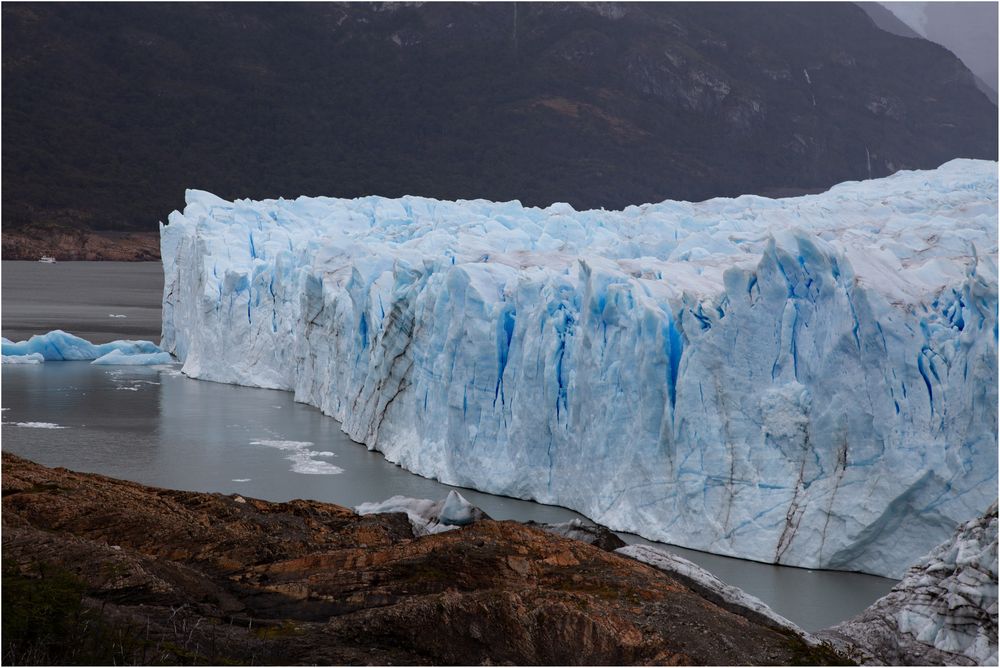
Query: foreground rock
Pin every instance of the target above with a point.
(204, 578)
(711, 587)
(943, 612)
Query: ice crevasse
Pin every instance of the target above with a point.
(808, 381)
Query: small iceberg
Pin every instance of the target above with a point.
(58, 345)
(119, 357)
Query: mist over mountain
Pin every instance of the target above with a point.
(968, 29)
(111, 110)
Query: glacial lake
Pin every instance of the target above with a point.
(158, 427)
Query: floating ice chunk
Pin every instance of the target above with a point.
(30, 358)
(303, 459)
(35, 425)
(304, 462)
(117, 315)
(242, 479)
(118, 357)
(283, 445)
(61, 346)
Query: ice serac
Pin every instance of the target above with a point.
(807, 381)
(943, 612)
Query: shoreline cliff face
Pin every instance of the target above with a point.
(162, 576)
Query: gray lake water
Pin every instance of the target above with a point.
(158, 427)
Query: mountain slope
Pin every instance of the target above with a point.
(111, 110)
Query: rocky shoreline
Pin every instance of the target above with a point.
(66, 243)
(167, 577)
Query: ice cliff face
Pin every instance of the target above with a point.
(943, 612)
(806, 381)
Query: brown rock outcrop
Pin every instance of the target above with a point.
(65, 243)
(212, 578)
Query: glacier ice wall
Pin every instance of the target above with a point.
(807, 381)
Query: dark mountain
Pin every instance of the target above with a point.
(111, 110)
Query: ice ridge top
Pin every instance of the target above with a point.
(808, 381)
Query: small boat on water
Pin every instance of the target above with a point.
(47, 260)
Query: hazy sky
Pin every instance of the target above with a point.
(968, 29)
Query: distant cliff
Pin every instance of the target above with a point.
(64, 242)
(112, 110)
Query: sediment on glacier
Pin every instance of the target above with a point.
(98, 570)
(807, 381)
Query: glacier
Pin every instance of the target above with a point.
(62, 346)
(808, 381)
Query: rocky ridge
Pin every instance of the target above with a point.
(184, 577)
